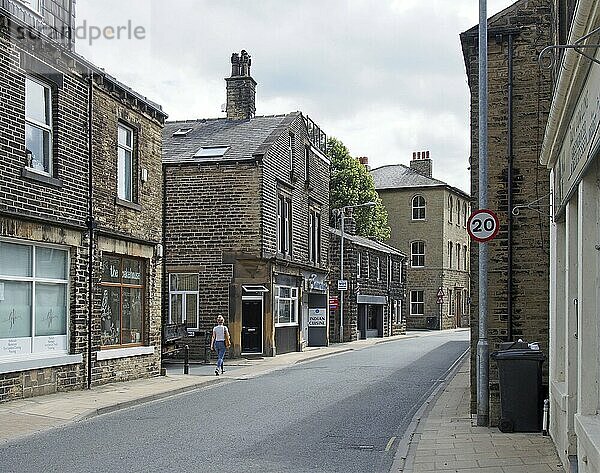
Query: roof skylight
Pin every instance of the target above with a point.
(182, 132)
(211, 151)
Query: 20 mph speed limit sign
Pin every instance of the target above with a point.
(483, 225)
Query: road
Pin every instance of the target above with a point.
(344, 413)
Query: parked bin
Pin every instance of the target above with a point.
(520, 374)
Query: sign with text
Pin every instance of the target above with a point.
(483, 225)
(317, 317)
(334, 302)
(342, 284)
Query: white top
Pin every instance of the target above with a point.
(219, 333)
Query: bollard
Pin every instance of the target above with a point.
(545, 418)
(186, 359)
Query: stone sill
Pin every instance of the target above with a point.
(123, 353)
(39, 363)
(587, 429)
(32, 174)
(127, 204)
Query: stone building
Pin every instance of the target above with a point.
(246, 197)
(428, 221)
(374, 302)
(570, 150)
(80, 183)
(519, 93)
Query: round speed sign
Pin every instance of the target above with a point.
(483, 225)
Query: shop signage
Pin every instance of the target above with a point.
(317, 317)
(334, 302)
(342, 284)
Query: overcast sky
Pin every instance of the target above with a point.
(386, 77)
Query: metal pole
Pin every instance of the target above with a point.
(342, 276)
(186, 359)
(482, 343)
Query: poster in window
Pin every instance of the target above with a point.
(132, 315)
(111, 269)
(109, 316)
(15, 310)
(50, 309)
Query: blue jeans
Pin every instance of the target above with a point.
(220, 347)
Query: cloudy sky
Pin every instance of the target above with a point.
(384, 76)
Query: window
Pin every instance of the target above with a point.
(417, 254)
(457, 212)
(182, 132)
(38, 125)
(34, 5)
(33, 300)
(465, 258)
(418, 207)
(417, 304)
(358, 264)
(125, 163)
(457, 255)
(368, 272)
(291, 144)
(122, 310)
(211, 152)
(183, 300)
(397, 315)
(390, 272)
(378, 268)
(307, 162)
(451, 301)
(465, 215)
(284, 225)
(450, 209)
(465, 302)
(286, 305)
(314, 236)
(449, 254)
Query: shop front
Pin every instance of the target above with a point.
(371, 315)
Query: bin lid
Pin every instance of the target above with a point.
(528, 354)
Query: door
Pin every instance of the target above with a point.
(459, 307)
(373, 315)
(252, 325)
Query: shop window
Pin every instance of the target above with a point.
(417, 254)
(122, 307)
(286, 305)
(417, 303)
(33, 300)
(183, 300)
(38, 125)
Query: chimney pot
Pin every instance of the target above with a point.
(427, 156)
(241, 88)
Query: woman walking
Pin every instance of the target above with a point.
(219, 342)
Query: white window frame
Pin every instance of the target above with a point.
(418, 207)
(284, 225)
(465, 216)
(465, 258)
(292, 301)
(420, 303)
(291, 146)
(450, 208)
(34, 280)
(414, 254)
(450, 248)
(121, 170)
(378, 268)
(314, 236)
(458, 212)
(368, 275)
(457, 251)
(33, 5)
(358, 264)
(184, 295)
(44, 127)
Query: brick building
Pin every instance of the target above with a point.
(519, 93)
(428, 221)
(246, 197)
(80, 183)
(570, 150)
(373, 304)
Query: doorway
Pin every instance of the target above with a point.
(252, 325)
(459, 307)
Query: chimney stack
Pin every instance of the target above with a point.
(364, 160)
(241, 88)
(422, 163)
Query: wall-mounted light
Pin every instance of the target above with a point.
(158, 251)
(144, 175)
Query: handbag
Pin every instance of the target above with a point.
(227, 339)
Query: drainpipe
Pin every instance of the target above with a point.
(91, 224)
(509, 178)
(165, 283)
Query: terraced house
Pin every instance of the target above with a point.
(80, 183)
(247, 198)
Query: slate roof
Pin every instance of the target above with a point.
(367, 242)
(245, 138)
(399, 176)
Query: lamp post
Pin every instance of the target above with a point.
(342, 213)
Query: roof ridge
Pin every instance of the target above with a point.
(198, 120)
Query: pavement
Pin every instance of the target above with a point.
(441, 438)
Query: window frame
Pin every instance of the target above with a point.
(450, 208)
(414, 254)
(131, 149)
(284, 225)
(35, 280)
(417, 303)
(143, 288)
(44, 127)
(292, 300)
(368, 275)
(30, 5)
(185, 293)
(451, 302)
(378, 268)
(450, 251)
(358, 264)
(314, 235)
(457, 251)
(465, 258)
(417, 208)
(291, 146)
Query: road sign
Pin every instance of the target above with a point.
(483, 225)
(440, 300)
(334, 302)
(440, 295)
(342, 284)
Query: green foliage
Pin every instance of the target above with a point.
(352, 184)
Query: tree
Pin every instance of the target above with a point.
(352, 184)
